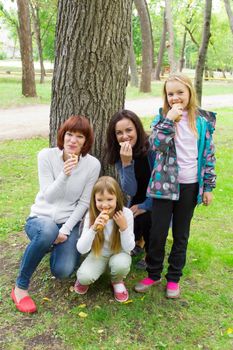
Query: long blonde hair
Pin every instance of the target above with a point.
(192, 105)
(110, 185)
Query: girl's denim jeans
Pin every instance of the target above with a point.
(64, 256)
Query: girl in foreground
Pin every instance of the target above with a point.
(67, 174)
(183, 176)
(108, 236)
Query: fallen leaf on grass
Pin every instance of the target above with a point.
(71, 289)
(45, 299)
(97, 307)
(100, 331)
(82, 306)
(128, 301)
(229, 331)
(82, 314)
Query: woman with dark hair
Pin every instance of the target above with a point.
(67, 174)
(128, 148)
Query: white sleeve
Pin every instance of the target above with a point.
(127, 236)
(84, 243)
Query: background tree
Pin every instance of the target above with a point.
(170, 30)
(91, 64)
(36, 23)
(133, 64)
(25, 38)
(161, 50)
(203, 49)
(145, 84)
(229, 13)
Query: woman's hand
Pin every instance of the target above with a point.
(60, 238)
(207, 198)
(175, 112)
(137, 211)
(120, 220)
(126, 153)
(69, 165)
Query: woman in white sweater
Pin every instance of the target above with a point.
(67, 174)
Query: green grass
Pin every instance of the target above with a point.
(11, 91)
(200, 319)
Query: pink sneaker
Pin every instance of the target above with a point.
(120, 292)
(145, 284)
(80, 288)
(172, 290)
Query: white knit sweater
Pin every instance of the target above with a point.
(63, 198)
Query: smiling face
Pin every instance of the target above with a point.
(125, 130)
(73, 142)
(176, 92)
(106, 201)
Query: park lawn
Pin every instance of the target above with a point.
(11, 91)
(200, 319)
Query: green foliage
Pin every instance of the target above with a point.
(200, 319)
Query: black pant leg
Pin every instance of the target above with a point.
(161, 217)
(182, 215)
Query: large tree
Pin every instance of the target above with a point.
(91, 63)
(203, 49)
(145, 84)
(170, 29)
(25, 38)
(229, 13)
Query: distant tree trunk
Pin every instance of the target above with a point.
(161, 50)
(203, 49)
(170, 43)
(182, 58)
(36, 24)
(133, 64)
(91, 64)
(25, 39)
(145, 85)
(229, 13)
(152, 39)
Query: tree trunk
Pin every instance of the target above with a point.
(170, 43)
(229, 13)
(25, 39)
(133, 64)
(36, 24)
(152, 40)
(182, 58)
(91, 64)
(161, 50)
(203, 50)
(145, 85)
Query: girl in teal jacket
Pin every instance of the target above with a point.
(183, 176)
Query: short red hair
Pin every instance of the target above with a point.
(76, 123)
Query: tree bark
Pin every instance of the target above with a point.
(25, 39)
(161, 50)
(133, 64)
(203, 50)
(36, 24)
(91, 64)
(145, 84)
(170, 43)
(229, 13)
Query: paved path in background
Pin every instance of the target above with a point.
(28, 121)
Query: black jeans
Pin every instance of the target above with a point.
(181, 213)
(142, 227)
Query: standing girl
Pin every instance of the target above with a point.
(108, 235)
(128, 149)
(183, 176)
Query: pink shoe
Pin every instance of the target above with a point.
(172, 290)
(120, 292)
(80, 288)
(143, 285)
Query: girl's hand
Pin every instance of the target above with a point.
(120, 220)
(207, 198)
(175, 113)
(69, 165)
(126, 153)
(60, 238)
(137, 211)
(100, 221)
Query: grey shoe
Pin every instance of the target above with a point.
(172, 290)
(145, 284)
(141, 264)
